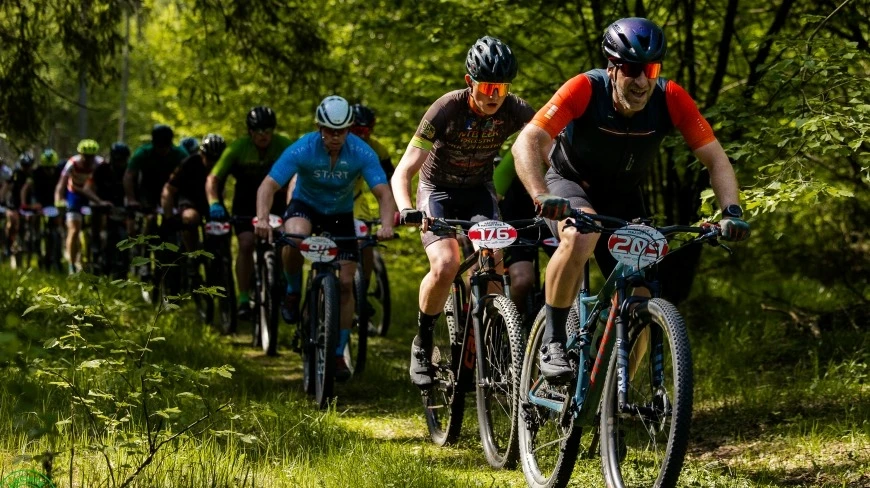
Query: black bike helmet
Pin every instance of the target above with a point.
(190, 144)
(634, 40)
(213, 146)
(261, 118)
(491, 60)
(119, 151)
(26, 160)
(162, 135)
(363, 116)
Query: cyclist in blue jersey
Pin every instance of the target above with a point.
(326, 164)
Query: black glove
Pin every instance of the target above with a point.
(411, 216)
(552, 207)
(734, 229)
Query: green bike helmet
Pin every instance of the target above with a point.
(88, 147)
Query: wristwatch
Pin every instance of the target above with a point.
(733, 211)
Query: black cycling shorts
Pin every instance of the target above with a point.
(625, 205)
(475, 204)
(337, 225)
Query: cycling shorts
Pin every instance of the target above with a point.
(626, 206)
(476, 204)
(338, 225)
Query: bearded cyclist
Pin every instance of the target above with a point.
(326, 163)
(620, 116)
(454, 148)
(248, 160)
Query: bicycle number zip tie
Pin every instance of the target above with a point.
(492, 234)
(638, 245)
(319, 249)
(217, 228)
(274, 221)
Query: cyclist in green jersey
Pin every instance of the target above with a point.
(364, 203)
(248, 160)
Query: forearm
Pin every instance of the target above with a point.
(212, 183)
(722, 177)
(129, 185)
(530, 156)
(410, 164)
(386, 203)
(167, 198)
(265, 196)
(89, 192)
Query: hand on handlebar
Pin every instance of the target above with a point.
(734, 229)
(263, 230)
(385, 233)
(552, 207)
(410, 216)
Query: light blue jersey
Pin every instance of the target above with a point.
(327, 189)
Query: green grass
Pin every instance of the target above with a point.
(774, 406)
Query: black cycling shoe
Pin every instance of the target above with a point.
(342, 372)
(554, 364)
(422, 374)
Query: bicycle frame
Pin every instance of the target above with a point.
(582, 405)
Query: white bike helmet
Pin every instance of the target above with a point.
(334, 112)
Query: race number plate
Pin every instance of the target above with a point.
(217, 228)
(361, 228)
(319, 249)
(638, 246)
(50, 212)
(85, 210)
(274, 221)
(492, 234)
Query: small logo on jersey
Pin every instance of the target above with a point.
(470, 124)
(427, 130)
(551, 111)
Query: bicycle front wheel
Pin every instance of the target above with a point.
(444, 402)
(326, 329)
(499, 381)
(644, 445)
(549, 442)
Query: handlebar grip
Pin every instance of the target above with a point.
(397, 218)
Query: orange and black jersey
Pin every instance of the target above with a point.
(606, 150)
(462, 145)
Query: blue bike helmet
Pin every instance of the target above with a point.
(634, 40)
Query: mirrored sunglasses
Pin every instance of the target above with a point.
(633, 70)
(488, 89)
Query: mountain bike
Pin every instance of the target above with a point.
(478, 344)
(51, 235)
(318, 331)
(633, 384)
(269, 290)
(376, 292)
(219, 272)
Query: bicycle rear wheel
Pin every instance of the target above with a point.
(326, 329)
(355, 352)
(646, 444)
(549, 445)
(444, 402)
(499, 381)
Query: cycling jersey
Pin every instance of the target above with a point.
(154, 170)
(189, 178)
(16, 182)
(325, 187)
(243, 161)
(607, 151)
(109, 183)
(462, 144)
(44, 181)
(79, 175)
(364, 204)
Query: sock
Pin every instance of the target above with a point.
(343, 339)
(294, 282)
(244, 297)
(426, 324)
(554, 327)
